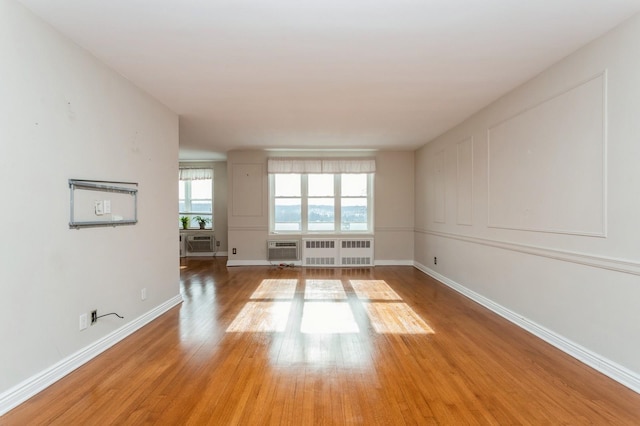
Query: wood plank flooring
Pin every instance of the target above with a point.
(293, 346)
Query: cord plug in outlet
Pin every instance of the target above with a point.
(94, 317)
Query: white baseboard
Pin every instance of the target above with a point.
(28, 388)
(607, 367)
(393, 263)
(261, 263)
(299, 263)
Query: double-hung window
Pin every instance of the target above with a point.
(195, 196)
(320, 202)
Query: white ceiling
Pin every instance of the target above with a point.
(305, 74)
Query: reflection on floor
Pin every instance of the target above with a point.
(324, 290)
(275, 289)
(395, 318)
(327, 308)
(373, 290)
(261, 317)
(328, 317)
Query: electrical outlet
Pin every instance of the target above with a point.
(217, 243)
(234, 251)
(435, 260)
(94, 316)
(143, 294)
(83, 321)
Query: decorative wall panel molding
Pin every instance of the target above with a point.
(464, 182)
(248, 229)
(439, 179)
(394, 229)
(547, 165)
(625, 266)
(248, 190)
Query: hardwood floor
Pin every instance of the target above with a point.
(293, 346)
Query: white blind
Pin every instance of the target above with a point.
(313, 165)
(195, 174)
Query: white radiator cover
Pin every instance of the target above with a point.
(337, 252)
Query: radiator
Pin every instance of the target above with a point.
(356, 252)
(319, 252)
(347, 252)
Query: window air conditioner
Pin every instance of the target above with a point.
(199, 243)
(282, 250)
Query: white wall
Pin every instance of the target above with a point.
(65, 115)
(532, 204)
(394, 208)
(248, 205)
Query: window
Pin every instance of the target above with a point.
(195, 191)
(321, 202)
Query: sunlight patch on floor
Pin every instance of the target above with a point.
(373, 290)
(275, 289)
(324, 290)
(325, 309)
(328, 317)
(261, 317)
(395, 318)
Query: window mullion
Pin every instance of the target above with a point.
(187, 195)
(370, 194)
(304, 202)
(337, 202)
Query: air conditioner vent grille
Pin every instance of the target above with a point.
(282, 250)
(356, 243)
(321, 244)
(199, 243)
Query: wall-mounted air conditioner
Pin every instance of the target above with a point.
(282, 250)
(200, 244)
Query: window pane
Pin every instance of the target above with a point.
(287, 185)
(288, 214)
(201, 189)
(354, 185)
(181, 192)
(320, 185)
(321, 214)
(354, 214)
(201, 206)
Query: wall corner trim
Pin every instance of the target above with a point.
(605, 366)
(35, 384)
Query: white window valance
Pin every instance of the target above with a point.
(195, 174)
(314, 165)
